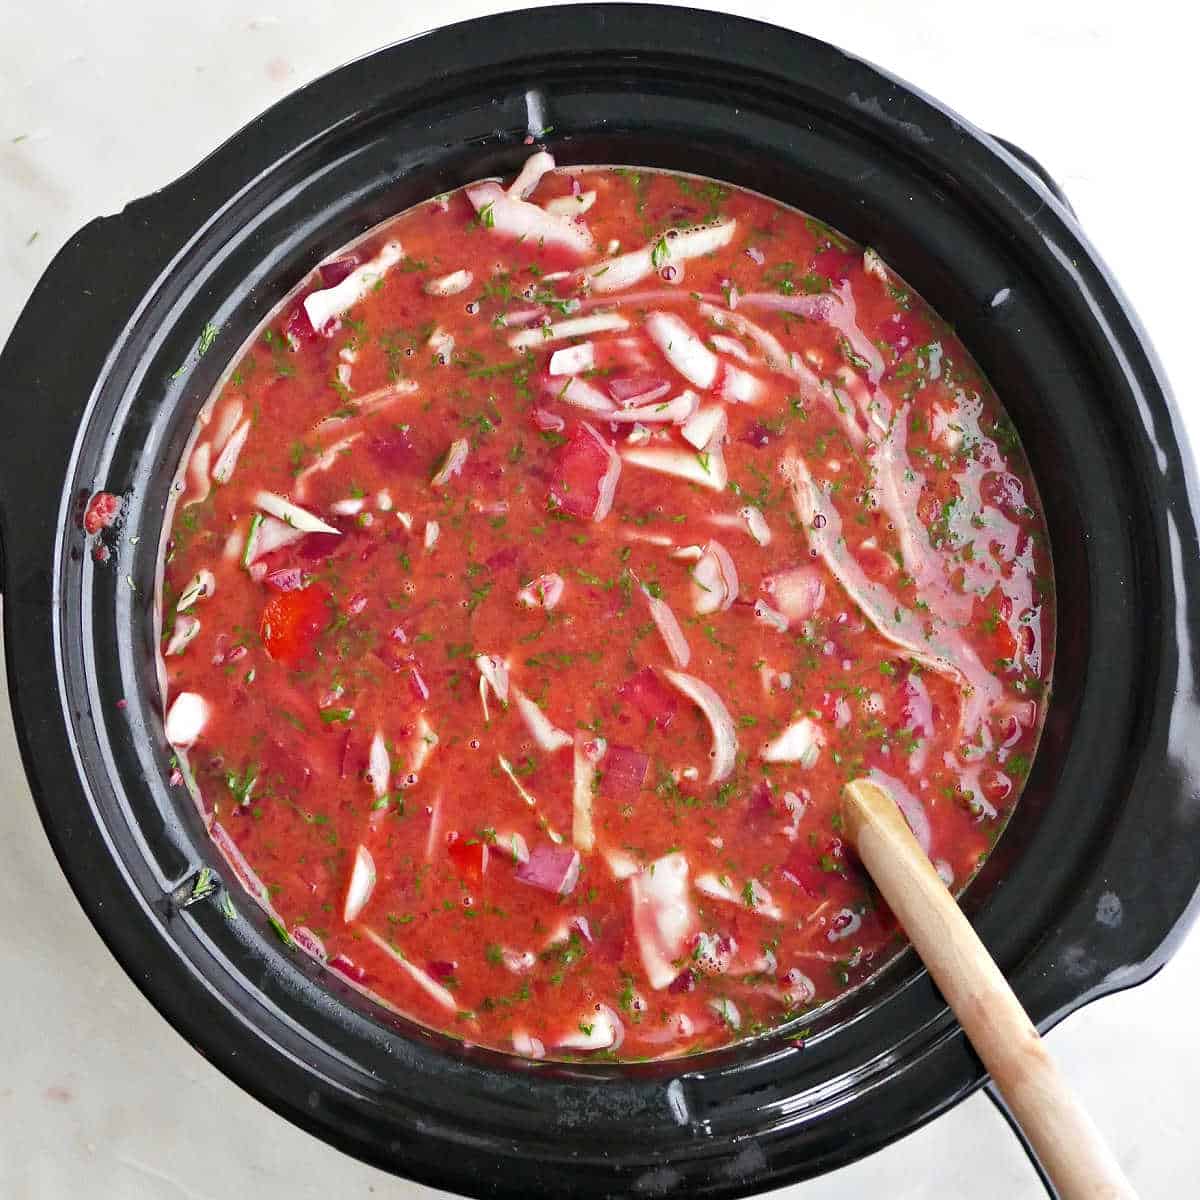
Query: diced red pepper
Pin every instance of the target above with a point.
(469, 856)
(291, 622)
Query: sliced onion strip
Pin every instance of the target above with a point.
(292, 514)
(725, 743)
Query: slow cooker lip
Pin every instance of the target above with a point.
(24, 550)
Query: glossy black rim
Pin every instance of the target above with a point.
(1089, 891)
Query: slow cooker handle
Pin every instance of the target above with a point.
(1031, 164)
(48, 372)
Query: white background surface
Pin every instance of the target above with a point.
(100, 103)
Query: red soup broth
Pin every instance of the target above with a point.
(541, 572)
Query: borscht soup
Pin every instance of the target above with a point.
(541, 571)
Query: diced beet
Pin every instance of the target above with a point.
(441, 968)
(813, 870)
(758, 435)
(101, 512)
(623, 773)
(901, 331)
(505, 557)
(760, 804)
(636, 389)
(681, 214)
(551, 868)
(348, 967)
(651, 697)
(287, 764)
(395, 451)
(611, 939)
(334, 271)
(285, 579)
(684, 982)
(298, 329)
(835, 264)
(583, 475)
(483, 470)
(316, 547)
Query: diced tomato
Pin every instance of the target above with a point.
(1003, 491)
(876, 563)
(469, 856)
(101, 512)
(291, 622)
(991, 617)
(995, 785)
(651, 697)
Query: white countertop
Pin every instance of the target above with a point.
(102, 103)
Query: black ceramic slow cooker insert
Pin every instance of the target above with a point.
(1090, 888)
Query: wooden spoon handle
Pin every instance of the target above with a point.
(1069, 1145)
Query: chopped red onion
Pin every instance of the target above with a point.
(797, 592)
(624, 773)
(551, 868)
(309, 942)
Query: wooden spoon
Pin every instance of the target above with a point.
(1069, 1146)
